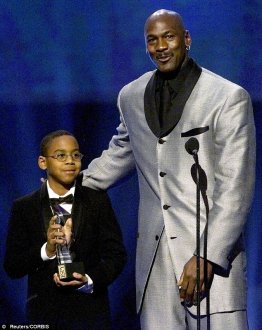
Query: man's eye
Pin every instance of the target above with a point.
(150, 40)
(170, 36)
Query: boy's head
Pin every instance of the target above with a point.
(61, 158)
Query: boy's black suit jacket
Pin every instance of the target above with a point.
(98, 243)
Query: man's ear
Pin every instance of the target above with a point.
(188, 39)
(42, 162)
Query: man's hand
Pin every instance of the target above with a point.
(188, 280)
(79, 280)
(56, 234)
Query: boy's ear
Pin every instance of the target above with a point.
(42, 162)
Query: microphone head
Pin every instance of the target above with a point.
(192, 146)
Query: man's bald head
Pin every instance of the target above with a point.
(160, 14)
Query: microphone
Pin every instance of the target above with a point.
(192, 146)
(197, 173)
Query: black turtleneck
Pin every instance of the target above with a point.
(180, 83)
(175, 78)
(175, 81)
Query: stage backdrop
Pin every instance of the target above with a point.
(62, 64)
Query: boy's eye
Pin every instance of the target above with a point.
(76, 155)
(60, 156)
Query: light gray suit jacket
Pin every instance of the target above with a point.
(223, 112)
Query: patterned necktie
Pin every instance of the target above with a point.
(165, 102)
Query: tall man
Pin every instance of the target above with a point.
(151, 138)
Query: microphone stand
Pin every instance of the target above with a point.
(200, 179)
(195, 156)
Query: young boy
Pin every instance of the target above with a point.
(91, 234)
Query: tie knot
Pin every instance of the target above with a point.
(67, 199)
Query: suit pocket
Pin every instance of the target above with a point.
(195, 131)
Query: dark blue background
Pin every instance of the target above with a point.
(62, 64)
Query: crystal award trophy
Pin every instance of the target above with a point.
(66, 266)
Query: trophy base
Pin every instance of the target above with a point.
(65, 271)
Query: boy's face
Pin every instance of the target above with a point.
(61, 175)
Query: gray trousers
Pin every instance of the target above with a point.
(157, 311)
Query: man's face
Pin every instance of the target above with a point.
(166, 42)
(61, 174)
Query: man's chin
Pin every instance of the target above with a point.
(166, 67)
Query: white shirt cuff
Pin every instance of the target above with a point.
(44, 256)
(88, 287)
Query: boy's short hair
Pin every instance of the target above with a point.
(49, 137)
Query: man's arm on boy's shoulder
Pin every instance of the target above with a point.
(114, 164)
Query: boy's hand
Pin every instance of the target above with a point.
(67, 229)
(55, 235)
(79, 280)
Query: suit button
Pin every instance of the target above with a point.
(157, 237)
(161, 141)
(165, 207)
(162, 174)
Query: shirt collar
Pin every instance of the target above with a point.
(52, 194)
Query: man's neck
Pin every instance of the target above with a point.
(173, 74)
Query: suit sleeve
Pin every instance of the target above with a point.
(22, 248)
(115, 163)
(234, 147)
